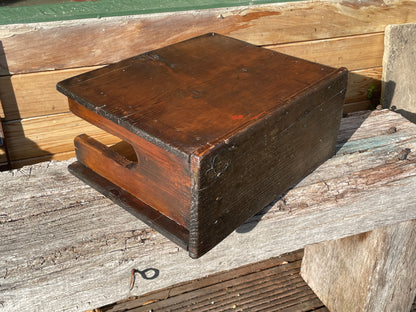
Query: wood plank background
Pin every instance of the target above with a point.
(33, 57)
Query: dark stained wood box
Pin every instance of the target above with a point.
(213, 130)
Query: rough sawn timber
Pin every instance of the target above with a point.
(373, 271)
(64, 247)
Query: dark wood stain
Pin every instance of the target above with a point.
(158, 178)
(220, 128)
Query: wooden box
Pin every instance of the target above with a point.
(213, 130)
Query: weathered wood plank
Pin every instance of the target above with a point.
(399, 65)
(353, 52)
(56, 231)
(373, 271)
(32, 95)
(107, 40)
(48, 135)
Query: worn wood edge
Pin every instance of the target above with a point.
(260, 25)
(108, 238)
(385, 102)
(106, 8)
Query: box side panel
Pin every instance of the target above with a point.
(158, 178)
(242, 175)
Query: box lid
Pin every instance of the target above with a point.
(191, 94)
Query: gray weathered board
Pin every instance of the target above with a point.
(399, 67)
(64, 247)
(372, 271)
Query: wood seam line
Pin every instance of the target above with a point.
(320, 39)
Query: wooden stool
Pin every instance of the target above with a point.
(214, 129)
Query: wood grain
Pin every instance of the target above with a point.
(398, 66)
(309, 136)
(353, 52)
(33, 95)
(373, 271)
(57, 231)
(363, 85)
(107, 40)
(28, 95)
(48, 135)
(184, 102)
(183, 97)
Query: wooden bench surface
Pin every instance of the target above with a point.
(64, 247)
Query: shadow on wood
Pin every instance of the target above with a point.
(389, 88)
(8, 105)
(343, 137)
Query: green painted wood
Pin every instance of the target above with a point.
(377, 143)
(16, 14)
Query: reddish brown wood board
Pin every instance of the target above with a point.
(220, 128)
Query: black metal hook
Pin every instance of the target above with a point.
(145, 275)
